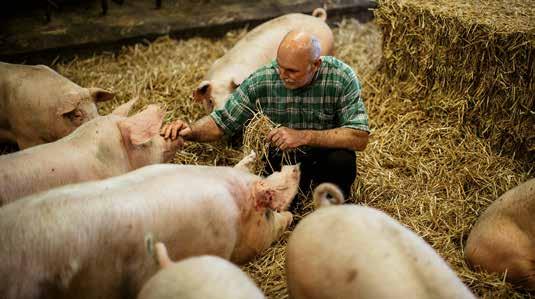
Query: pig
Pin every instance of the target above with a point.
(503, 238)
(104, 147)
(87, 240)
(350, 251)
(207, 277)
(255, 49)
(38, 105)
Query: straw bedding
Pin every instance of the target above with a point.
(424, 169)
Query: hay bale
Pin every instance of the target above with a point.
(474, 59)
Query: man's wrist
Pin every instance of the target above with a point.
(307, 137)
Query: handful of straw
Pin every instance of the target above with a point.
(255, 139)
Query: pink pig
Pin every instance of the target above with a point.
(88, 240)
(38, 105)
(207, 277)
(103, 147)
(254, 50)
(503, 238)
(351, 251)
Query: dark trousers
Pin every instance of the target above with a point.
(319, 165)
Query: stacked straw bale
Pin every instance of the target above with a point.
(471, 59)
(434, 176)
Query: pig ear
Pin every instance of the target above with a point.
(264, 196)
(140, 128)
(100, 95)
(203, 91)
(124, 109)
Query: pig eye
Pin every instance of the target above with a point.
(268, 213)
(146, 144)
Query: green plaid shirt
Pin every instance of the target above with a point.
(332, 100)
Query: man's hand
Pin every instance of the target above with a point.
(286, 138)
(176, 129)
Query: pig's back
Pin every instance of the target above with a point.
(379, 251)
(36, 169)
(68, 160)
(274, 30)
(71, 230)
(259, 46)
(514, 208)
(165, 180)
(206, 277)
(516, 202)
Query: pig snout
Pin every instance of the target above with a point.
(291, 172)
(288, 218)
(283, 220)
(170, 147)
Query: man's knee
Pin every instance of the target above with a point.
(342, 159)
(339, 167)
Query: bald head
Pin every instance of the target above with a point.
(300, 44)
(298, 59)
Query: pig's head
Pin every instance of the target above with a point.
(213, 94)
(280, 188)
(75, 107)
(142, 140)
(261, 223)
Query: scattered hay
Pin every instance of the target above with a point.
(254, 139)
(474, 59)
(434, 176)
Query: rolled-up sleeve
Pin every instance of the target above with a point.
(237, 110)
(351, 110)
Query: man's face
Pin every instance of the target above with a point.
(296, 70)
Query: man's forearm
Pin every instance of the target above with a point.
(337, 138)
(205, 130)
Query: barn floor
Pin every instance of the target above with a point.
(431, 174)
(76, 26)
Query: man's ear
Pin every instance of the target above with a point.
(235, 83)
(100, 95)
(203, 91)
(143, 126)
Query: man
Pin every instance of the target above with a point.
(317, 102)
